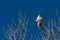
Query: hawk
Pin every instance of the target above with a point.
(39, 21)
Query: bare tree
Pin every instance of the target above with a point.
(52, 31)
(20, 31)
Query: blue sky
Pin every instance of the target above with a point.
(32, 8)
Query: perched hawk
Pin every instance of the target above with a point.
(39, 21)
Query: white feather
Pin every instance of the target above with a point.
(38, 18)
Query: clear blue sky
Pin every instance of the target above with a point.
(32, 8)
